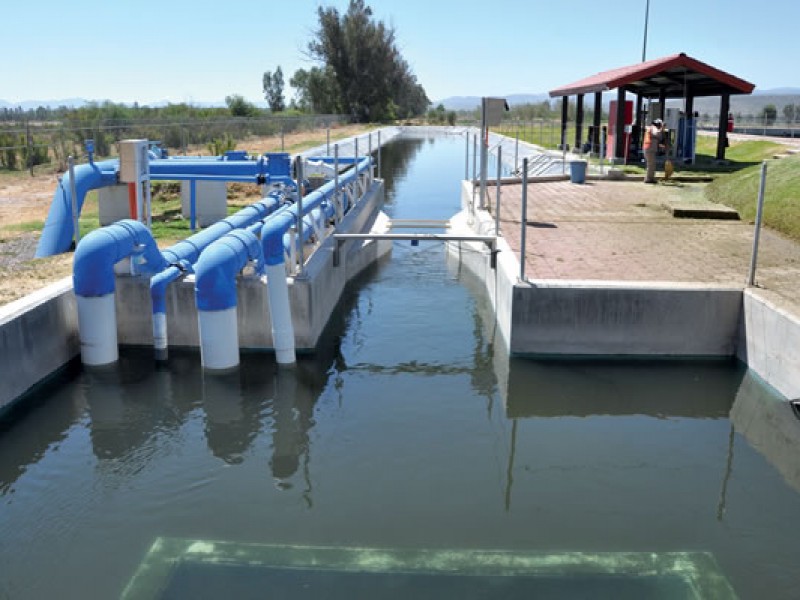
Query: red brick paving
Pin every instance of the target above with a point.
(620, 231)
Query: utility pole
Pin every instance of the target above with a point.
(646, 19)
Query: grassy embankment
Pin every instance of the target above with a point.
(739, 190)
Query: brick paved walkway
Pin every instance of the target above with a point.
(620, 230)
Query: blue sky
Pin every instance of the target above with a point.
(199, 50)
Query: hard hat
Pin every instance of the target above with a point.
(658, 122)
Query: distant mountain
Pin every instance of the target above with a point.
(79, 102)
(740, 104)
(474, 102)
(34, 104)
(778, 92)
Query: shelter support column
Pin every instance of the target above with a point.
(722, 130)
(598, 113)
(564, 108)
(579, 123)
(662, 105)
(619, 132)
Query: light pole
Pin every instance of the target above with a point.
(646, 19)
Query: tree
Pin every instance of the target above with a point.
(362, 66)
(273, 90)
(769, 113)
(240, 107)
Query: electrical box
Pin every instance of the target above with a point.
(134, 164)
(673, 118)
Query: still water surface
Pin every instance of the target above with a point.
(408, 429)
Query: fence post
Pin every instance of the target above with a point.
(379, 154)
(751, 278)
(523, 219)
(29, 143)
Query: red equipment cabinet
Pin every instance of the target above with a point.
(612, 127)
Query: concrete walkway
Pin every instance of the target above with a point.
(622, 231)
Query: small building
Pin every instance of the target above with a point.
(657, 80)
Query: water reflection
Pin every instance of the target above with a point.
(770, 426)
(586, 388)
(131, 403)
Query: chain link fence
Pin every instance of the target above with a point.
(25, 145)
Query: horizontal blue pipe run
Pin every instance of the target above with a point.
(58, 228)
(101, 249)
(220, 263)
(191, 248)
(272, 234)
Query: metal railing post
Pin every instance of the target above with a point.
(524, 219)
(475, 156)
(751, 278)
(497, 201)
(379, 154)
(73, 192)
(466, 157)
(301, 254)
(337, 194)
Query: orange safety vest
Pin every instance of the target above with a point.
(648, 139)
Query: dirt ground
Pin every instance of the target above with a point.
(25, 202)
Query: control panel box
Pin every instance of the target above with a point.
(134, 164)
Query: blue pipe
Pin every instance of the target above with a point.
(160, 281)
(272, 234)
(101, 249)
(191, 248)
(58, 228)
(216, 271)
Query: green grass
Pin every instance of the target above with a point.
(26, 227)
(781, 197)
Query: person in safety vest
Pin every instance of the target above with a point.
(653, 137)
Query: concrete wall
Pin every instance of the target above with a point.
(593, 319)
(210, 201)
(770, 342)
(38, 336)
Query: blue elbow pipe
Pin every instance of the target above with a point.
(160, 281)
(58, 228)
(216, 271)
(101, 249)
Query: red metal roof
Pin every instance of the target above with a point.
(675, 75)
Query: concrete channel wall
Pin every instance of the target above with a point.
(555, 318)
(38, 336)
(770, 342)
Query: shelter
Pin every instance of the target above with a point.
(675, 76)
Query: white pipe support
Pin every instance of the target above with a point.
(280, 315)
(97, 326)
(160, 342)
(219, 339)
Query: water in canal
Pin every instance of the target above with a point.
(408, 430)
